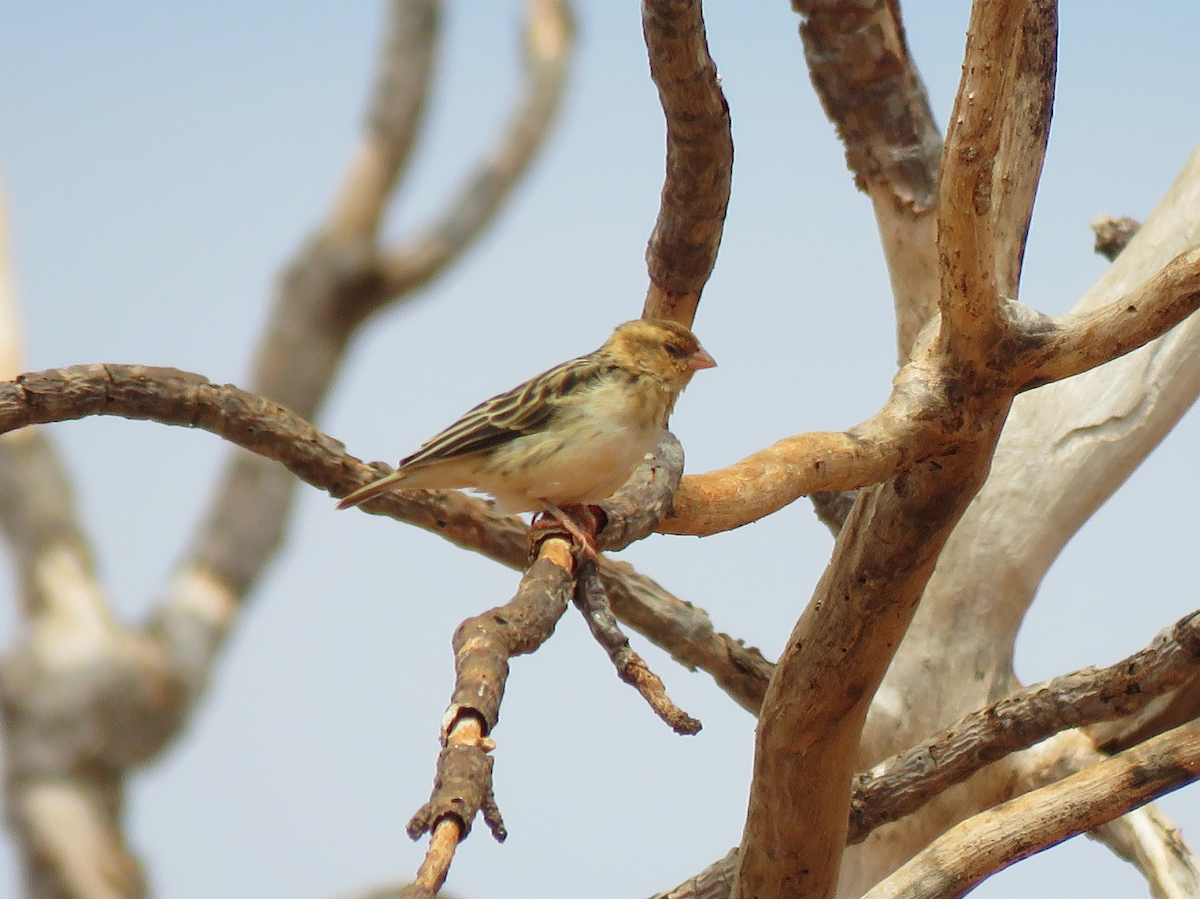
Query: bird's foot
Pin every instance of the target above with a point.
(578, 521)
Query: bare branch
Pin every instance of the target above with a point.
(1092, 431)
(397, 110)
(993, 159)
(871, 90)
(461, 789)
(484, 644)
(888, 443)
(1143, 837)
(482, 648)
(631, 668)
(687, 633)
(775, 477)
(549, 36)
(900, 785)
(683, 246)
(980, 846)
(648, 497)
(1083, 340)
(836, 656)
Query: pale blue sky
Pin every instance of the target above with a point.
(161, 162)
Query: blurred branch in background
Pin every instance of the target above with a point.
(86, 700)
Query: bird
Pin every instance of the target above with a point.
(569, 437)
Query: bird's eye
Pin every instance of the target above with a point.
(675, 350)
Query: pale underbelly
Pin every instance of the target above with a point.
(582, 470)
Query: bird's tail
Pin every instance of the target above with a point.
(372, 490)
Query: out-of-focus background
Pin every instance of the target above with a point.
(162, 160)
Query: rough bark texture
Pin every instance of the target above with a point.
(862, 70)
(695, 195)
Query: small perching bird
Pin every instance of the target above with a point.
(571, 436)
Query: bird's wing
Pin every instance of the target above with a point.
(523, 410)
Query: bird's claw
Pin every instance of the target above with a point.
(577, 522)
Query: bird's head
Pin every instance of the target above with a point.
(665, 350)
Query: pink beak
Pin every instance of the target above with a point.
(701, 359)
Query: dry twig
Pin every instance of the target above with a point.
(631, 668)
(482, 648)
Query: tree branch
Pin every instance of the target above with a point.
(396, 113)
(683, 246)
(836, 656)
(871, 90)
(1092, 430)
(841, 647)
(1143, 837)
(1082, 340)
(903, 783)
(990, 168)
(591, 600)
(419, 258)
(989, 842)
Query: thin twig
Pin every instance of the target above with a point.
(687, 633)
(631, 668)
(1081, 341)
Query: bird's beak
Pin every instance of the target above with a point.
(701, 359)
